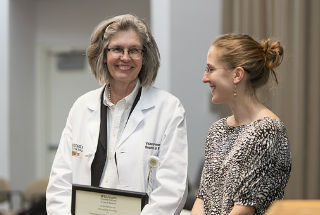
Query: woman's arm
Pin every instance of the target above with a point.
(242, 210)
(268, 168)
(58, 194)
(171, 177)
(198, 207)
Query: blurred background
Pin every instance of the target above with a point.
(43, 70)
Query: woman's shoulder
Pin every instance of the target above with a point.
(271, 134)
(267, 120)
(92, 93)
(269, 124)
(157, 95)
(152, 90)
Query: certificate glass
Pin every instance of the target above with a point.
(104, 201)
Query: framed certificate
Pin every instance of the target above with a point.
(101, 201)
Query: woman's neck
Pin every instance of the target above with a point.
(119, 90)
(246, 110)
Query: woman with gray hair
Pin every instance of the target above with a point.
(127, 134)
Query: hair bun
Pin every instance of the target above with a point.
(273, 53)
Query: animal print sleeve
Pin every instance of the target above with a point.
(265, 178)
(205, 175)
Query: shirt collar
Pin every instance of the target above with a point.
(129, 99)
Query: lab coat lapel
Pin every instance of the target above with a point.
(138, 114)
(93, 123)
(136, 117)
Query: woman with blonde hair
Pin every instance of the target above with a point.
(247, 158)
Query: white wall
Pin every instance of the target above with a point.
(184, 32)
(160, 27)
(67, 25)
(183, 29)
(22, 99)
(193, 28)
(35, 26)
(4, 89)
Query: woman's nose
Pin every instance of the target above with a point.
(125, 56)
(205, 78)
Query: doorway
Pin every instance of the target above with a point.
(62, 76)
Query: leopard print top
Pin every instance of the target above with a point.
(244, 165)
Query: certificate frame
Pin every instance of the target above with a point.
(89, 192)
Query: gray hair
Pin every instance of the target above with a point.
(101, 36)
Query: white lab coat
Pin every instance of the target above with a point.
(156, 127)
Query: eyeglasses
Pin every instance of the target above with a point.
(133, 53)
(210, 70)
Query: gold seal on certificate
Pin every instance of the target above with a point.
(104, 201)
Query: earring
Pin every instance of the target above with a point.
(235, 90)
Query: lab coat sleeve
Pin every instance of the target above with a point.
(58, 193)
(169, 195)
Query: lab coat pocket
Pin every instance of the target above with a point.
(83, 159)
(127, 171)
(81, 166)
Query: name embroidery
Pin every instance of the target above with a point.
(154, 146)
(77, 149)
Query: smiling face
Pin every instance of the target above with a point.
(218, 77)
(124, 69)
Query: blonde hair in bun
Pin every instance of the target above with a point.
(257, 59)
(273, 55)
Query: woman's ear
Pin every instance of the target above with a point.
(238, 75)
